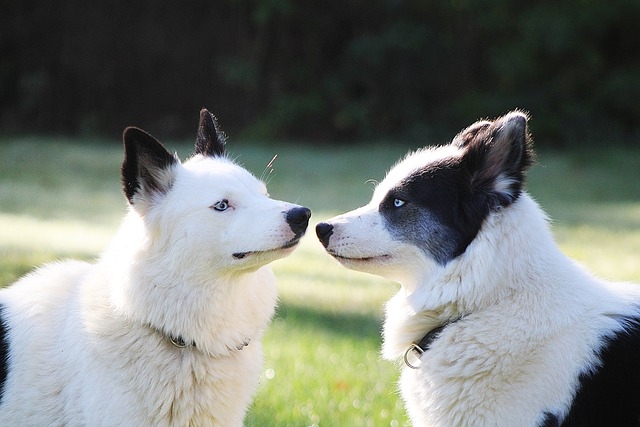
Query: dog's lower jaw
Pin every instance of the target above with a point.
(285, 249)
(380, 265)
(365, 259)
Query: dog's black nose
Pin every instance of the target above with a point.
(324, 231)
(298, 220)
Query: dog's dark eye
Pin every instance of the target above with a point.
(221, 206)
(398, 203)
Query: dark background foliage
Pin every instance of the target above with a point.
(330, 70)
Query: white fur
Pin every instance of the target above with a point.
(530, 317)
(88, 342)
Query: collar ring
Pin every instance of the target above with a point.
(417, 352)
(177, 341)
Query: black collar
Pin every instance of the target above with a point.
(416, 349)
(179, 342)
(425, 343)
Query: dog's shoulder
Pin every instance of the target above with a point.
(608, 393)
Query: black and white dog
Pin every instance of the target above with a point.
(495, 325)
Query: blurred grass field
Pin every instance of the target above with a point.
(61, 198)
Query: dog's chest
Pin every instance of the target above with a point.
(183, 387)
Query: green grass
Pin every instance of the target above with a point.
(61, 198)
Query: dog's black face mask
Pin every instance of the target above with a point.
(424, 210)
(441, 206)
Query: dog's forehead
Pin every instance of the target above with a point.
(223, 170)
(411, 164)
(204, 165)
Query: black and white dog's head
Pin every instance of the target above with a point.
(433, 203)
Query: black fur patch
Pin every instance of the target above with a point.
(610, 394)
(4, 352)
(550, 420)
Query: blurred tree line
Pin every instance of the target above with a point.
(321, 70)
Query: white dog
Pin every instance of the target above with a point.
(495, 325)
(164, 329)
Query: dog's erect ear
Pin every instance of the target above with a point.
(210, 140)
(148, 167)
(497, 155)
(469, 134)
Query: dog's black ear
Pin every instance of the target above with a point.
(147, 167)
(497, 155)
(210, 140)
(469, 134)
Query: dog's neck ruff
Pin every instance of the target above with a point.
(413, 354)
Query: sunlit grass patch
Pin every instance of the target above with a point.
(324, 368)
(606, 238)
(27, 242)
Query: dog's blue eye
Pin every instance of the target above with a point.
(221, 206)
(398, 203)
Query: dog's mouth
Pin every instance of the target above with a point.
(371, 258)
(290, 244)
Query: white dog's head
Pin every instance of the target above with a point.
(433, 203)
(208, 213)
